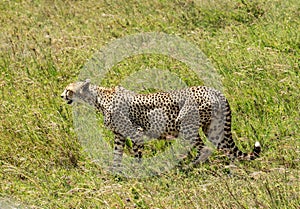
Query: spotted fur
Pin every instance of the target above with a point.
(162, 115)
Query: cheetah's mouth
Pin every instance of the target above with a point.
(69, 101)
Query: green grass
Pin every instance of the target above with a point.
(255, 47)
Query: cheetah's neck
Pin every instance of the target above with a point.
(99, 97)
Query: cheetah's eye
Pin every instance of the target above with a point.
(69, 94)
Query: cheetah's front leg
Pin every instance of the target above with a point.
(124, 128)
(119, 144)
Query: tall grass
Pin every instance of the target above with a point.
(254, 45)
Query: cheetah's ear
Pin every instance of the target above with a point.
(86, 84)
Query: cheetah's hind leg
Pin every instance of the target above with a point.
(189, 131)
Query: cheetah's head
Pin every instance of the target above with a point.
(75, 91)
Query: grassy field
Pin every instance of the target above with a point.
(254, 46)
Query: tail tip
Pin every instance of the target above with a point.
(257, 144)
(256, 150)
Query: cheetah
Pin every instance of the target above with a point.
(162, 115)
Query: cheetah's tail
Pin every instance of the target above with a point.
(256, 151)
